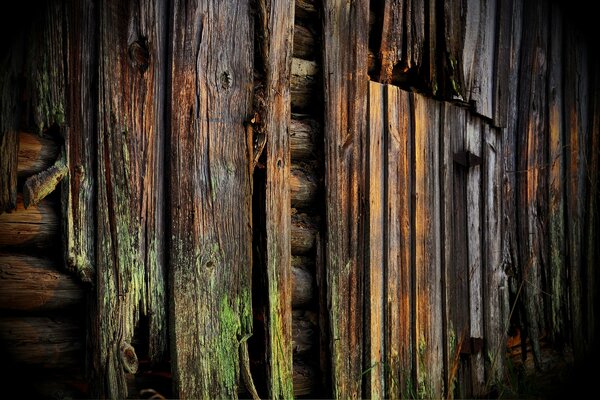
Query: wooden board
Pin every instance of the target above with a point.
(130, 277)
(210, 195)
(345, 44)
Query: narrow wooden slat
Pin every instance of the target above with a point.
(428, 319)
(478, 54)
(36, 227)
(454, 36)
(473, 143)
(375, 269)
(494, 277)
(557, 271)
(210, 195)
(504, 25)
(277, 26)
(36, 153)
(398, 299)
(345, 44)
(35, 284)
(455, 252)
(130, 277)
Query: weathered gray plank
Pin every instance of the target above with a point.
(398, 300)
(428, 320)
(130, 276)
(210, 192)
(345, 44)
(375, 265)
(502, 68)
(276, 23)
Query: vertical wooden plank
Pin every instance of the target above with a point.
(502, 68)
(375, 269)
(494, 277)
(78, 189)
(210, 262)
(473, 144)
(130, 273)
(531, 161)
(453, 21)
(398, 301)
(478, 54)
(557, 271)
(428, 321)
(576, 128)
(345, 37)
(455, 251)
(277, 26)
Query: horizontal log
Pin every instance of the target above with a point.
(304, 331)
(36, 284)
(305, 378)
(304, 233)
(42, 342)
(303, 138)
(304, 43)
(305, 9)
(303, 85)
(36, 227)
(303, 287)
(303, 186)
(36, 154)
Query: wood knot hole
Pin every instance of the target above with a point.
(129, 358)
(226, 80)
(139, 54)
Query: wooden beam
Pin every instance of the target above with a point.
(36, 227)
(345, 37)
(36, 153)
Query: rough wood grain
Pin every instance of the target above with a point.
(455, 252)
(276, 22)
(304, 135)
(34, 228)
(36, 153)
(303, 234)
(305, 378)
(130, 277)
(78, 195)
(502, 68)
(42, 342)
(427, 247)
(345, 46)
(398, 299)
(303, 287)
(557, 268)
(304, 43)
(303, 186)
(34, 284)
(303, 84)
(210, 195)
(473, 144)
(375, 269)
(453, 18)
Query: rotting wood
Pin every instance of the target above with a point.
(303, 186)
(36, 154)
(34, 284)
(130, 278)
(303, 234)
(303, 288)
(38, 186)
(305, 9)
(42, 342)
(473, 144)
(557, 268)
(276, 22)
(78, 194)
(453, 16)
(398, 298)
(36, 227)
(210, 195)
(303, 138)
(345, 48)
(427, 247)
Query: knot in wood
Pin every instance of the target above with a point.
(129, 358)
(226, 80)
(139, 55)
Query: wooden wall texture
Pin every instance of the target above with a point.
(338, 199)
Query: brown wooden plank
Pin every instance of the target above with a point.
(210, 192)
(455, 252)
(398, 298)
(34, 228)
(428, 321)
(557, 268)
(277, 27)
(78, 194)
(454, 36)
(473, 143)
(375, 265)
(345, 44)
(34, 284)
(531, 173)
(576, 103)
(478, 54)
(494, 277)
(130, 276)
